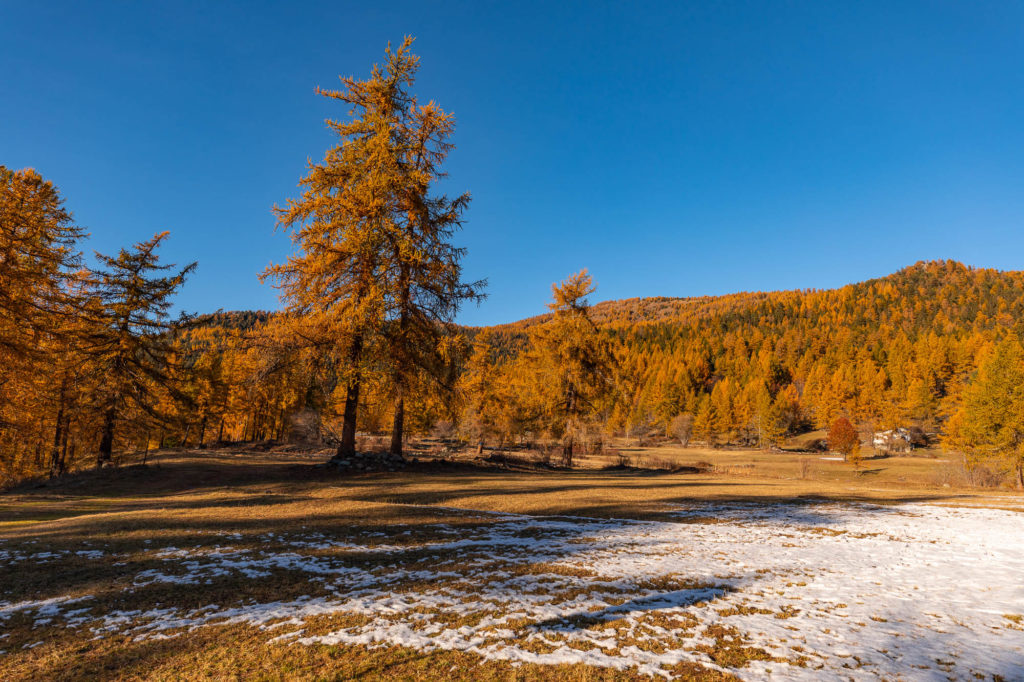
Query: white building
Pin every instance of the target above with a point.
(893, 440)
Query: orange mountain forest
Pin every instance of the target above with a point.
(92, 363)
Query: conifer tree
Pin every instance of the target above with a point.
(989, 426)
(38, 251)
(480, 391)
(428, 289)
(704, 423)
(347, 225)
(38, 258)
(573, 360)
(130, 341)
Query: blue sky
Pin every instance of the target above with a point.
(674, 149)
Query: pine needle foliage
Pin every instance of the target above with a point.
(989, 425)
(37, 254)
(375, 267)
(131, 340)
(572, 362)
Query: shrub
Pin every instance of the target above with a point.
(443, 430)
(682, 428)
(843, 438)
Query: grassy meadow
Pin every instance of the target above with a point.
(92, 562)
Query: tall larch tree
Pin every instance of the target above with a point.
(131, 341)
(345, 224)
(989, 426)
(38, 258)
(38, 252)
(574, 360)
(428, 287)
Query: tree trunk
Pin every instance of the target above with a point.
(570, 412)
(396, 428)
(400, 363)
(40, 444)
(1020, 476)
(58, 430)
(68, 456)
(107, 439)
(220, 432)
(347, 447)
(480, 448)
(202, 432)
(63, 463)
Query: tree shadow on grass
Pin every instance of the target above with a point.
(674, 599)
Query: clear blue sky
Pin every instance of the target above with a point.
(675, 149)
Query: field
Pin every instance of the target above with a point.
(242, 565)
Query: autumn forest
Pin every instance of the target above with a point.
(94, 364)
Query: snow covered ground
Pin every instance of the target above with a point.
(776, 591)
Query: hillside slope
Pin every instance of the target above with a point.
(886, 351)
(967, 297)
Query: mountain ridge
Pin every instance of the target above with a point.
(653, 309)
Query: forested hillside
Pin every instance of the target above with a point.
(92, 363)
(888, 351)
(750, 368)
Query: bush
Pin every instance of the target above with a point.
(843, 438)
(367, 443)
(641, 432)
(682, 428)
(957, 474)
(818, 445)
(443, 430)
(918, 438)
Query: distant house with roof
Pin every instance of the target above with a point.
(892, 440)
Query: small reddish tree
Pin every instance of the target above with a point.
(843, 438)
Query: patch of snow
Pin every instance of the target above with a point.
(43, 607)
(854, 591)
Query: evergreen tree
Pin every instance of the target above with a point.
(130, 342)
(989, 426)
(573, 361)
(38, 251)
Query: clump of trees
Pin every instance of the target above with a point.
(87, 355)
(989, 424)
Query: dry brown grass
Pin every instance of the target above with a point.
(193, 499)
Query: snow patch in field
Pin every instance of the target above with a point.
(827, 590)
(10, 557)
(43, 607)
